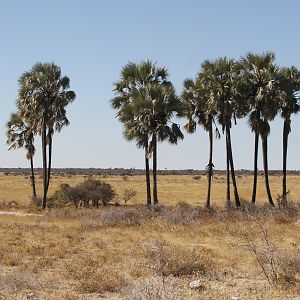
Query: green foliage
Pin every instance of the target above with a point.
(20, 134)
(145, 102)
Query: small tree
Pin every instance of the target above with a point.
(128, 194)
(19, 134)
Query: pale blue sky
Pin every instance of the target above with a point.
(92, 40)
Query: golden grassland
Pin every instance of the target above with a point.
(131, 252)
(171, 188)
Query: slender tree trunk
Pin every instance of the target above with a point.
(284, 160)
(228, 201)
(210, 165)
(147, 176)
(255, 166)
(49, 162)
(236, 194)
(266, 171)
(154, 141)
(44, 149)
(32, 180)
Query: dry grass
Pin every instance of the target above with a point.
(131, 252)
(16, 190)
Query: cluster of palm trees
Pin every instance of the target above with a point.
(224, 91)
(41, 110)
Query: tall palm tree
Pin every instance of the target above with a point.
(44, 93)
(134, 77)
(199, 109)
(136, 130)
(56, 123)
(19, 134)
(261, 93)
(221, 79)
(290, 85)
(146, 101)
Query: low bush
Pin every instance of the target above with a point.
(15, 282)
(128, 195)
(120, 216)
(281, 267)
(183, 213)
(88, 193)
(176, 260)
(92, 275)
(155, 288)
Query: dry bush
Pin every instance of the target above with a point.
(93, 275)
(281, 267)
(69, 296)
(248, 211)
(176, 260)
(267, 211)
(106, 280)
(128, 194)
(9, 205)
(181, 214)
(18, 281)
(124, 177)
(123, 216)
(155, 288)
(113, 216)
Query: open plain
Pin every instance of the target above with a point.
(132, 252)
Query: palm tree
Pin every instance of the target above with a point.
(221, 79)
(165, 104)
(135, 130)
(56, 123)
(290, 85)
(261, 94)
(200, 110)
(43, 96)
(20, 135)
(135, 77)
(145, 101)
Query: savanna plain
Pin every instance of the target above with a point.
(177, 250)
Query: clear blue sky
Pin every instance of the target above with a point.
(92, 40)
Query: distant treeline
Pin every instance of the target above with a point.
(131, 172)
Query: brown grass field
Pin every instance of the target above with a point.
(171, 188)
(131, 252)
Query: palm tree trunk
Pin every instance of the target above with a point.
(154, 141)
(44, 149)
(266, 171)
(49, 162)
(284, 160)
(236, 194)
(210, 165)
(228, 202)
(255, 166)
(32, 180)
(147, 176)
